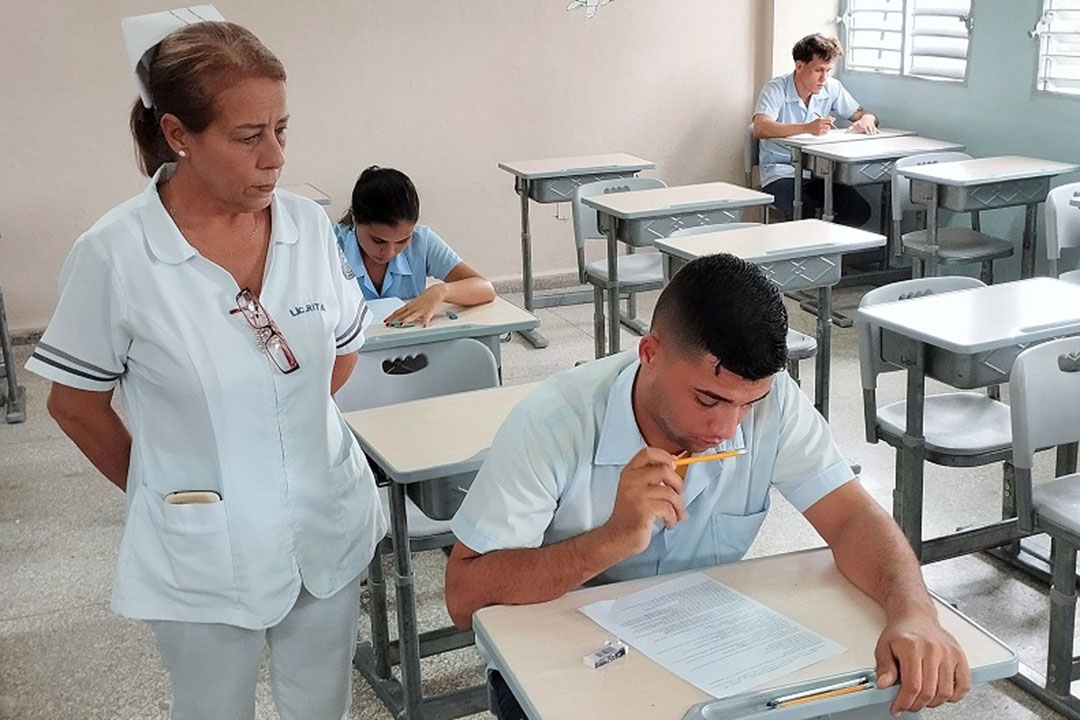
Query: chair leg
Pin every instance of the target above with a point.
(1059, 658)
(599, 321)
(793, 371)
(916, 267)
(986, 272)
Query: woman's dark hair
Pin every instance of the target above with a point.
(382, 196)
(187, 71)
(725, 306)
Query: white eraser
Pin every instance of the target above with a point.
(611, 651)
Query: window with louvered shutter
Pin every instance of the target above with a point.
(1058, 33)
(920, 38)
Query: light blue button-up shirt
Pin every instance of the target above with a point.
(426, 255)
(780, 101)
(553, 470)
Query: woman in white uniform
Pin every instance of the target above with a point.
(222, 309)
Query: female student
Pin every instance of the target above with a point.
(392, 256)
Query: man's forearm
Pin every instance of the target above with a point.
(873, 554)
(527, 575)
(766, 128)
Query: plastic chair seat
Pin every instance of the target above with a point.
(420, 525)
(1073, 276)
(637, 269)
(800, 346)
(957, 245)
(1059, 502)
(956, 423)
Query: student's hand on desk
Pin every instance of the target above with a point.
(865, 125)
(821, 125)
(649, 490)
(930, 664)
(420, 309)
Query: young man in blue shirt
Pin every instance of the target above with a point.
(808, 100)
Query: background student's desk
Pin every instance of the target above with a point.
(985, 184)
(555, 180)
(538, 648)
(641, 217)
(797, 144)
(796, 255)
(866, 162)
(484, 322)
(967, 339)
(409, 443)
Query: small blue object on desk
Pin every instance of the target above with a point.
(451, 315)
(400, 324)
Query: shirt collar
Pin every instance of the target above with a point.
(791, 94)
(169, 245)
(620, 437)
(398, 266)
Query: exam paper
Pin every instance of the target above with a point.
(382, 307)
(713, 637)
(830, 135)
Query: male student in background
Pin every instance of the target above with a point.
(808, 100)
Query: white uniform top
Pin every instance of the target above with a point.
(208, 410)
(553, 469)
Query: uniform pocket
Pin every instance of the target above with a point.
(733, 534)
(185, 548)
(361, 515)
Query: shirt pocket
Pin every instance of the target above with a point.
(734, 534)
(359, 511)
(186, 549)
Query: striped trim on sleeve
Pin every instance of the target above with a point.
(362, 320)
(70, 364)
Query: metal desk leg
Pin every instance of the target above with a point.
(534, 338)
(825, 169)
(909, 493)
(930, 265)
(613, 285)
(1027, 252)
(380, 633)
(408, 639)
(824, 346)
(796, 198)
(15, 395)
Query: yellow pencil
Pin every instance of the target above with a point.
(680, 461)
(823, 696)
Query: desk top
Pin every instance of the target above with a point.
(309, 191)
(676, 199)
(880, 148)
(578, 165)
(966, 322)
(978, 171)
(434, 437)
(497, 317)
(838, 135)
(539, 647)
(770, 243)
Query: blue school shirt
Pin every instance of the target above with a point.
(426, 255)
(780, 101)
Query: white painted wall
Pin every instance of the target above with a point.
(795, 19)
(442, 90)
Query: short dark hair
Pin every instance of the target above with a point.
(826, 48)
(383, 196)
(725, 306)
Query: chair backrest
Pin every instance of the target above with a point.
(901, 186)
(751, 155)
(585, 226)
(1062, 222)
(1044, 396)
(411, 373)
(869, 336)
(703, 229)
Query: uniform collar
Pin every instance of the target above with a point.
(398, 266)
(620, 437)
(791, 93)
(168, 244)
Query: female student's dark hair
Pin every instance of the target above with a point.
(187, 72)
(725, 306)
(383, 196)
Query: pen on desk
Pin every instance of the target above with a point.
(820, 693)
(451, 315)
(680, 461)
